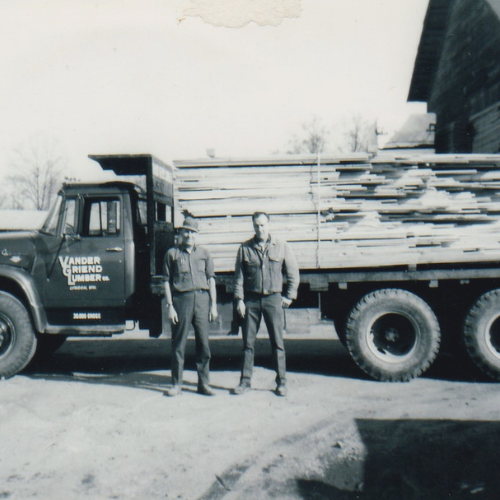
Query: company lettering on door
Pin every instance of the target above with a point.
(82, 272)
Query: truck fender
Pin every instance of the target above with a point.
(28, 293)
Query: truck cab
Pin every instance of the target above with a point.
(95, 263)
(90, 251)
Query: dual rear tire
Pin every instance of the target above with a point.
(482, 333)
(392, 335)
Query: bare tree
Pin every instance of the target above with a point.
(37, 165)
(359, 134)
(353, 134)
(313, 139)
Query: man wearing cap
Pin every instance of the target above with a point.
(261, 263)
(189, 283)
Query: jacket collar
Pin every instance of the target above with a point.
(270, 241)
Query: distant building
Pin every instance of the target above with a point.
(416, 135)
(12, 220)
(457, 72)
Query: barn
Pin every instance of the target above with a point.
(457, 72)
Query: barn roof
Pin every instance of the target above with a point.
(417, 132)
(431, 44)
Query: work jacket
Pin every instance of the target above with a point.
(262, 271)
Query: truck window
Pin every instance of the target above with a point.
(163, 212)
(142, 212)
(102, 217)
(69, 217)
(50, 224)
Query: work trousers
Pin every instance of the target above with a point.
(268, 307)
(192, 309)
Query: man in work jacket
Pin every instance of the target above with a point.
(189, 284)
(260, 265)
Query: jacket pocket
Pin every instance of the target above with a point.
(251, 272)
(275, 270)
(251, 262)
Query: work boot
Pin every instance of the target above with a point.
(205, 390)
(281, 390)
(241, 389)
(175, 390)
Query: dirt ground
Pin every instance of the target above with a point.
(92, 422)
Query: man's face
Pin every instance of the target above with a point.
(261, 228)
(187, 237)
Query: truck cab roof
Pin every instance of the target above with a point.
(105, 187)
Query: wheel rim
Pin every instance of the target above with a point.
(492, 336)
(7, 335)
(393, 337)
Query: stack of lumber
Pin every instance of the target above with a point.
(349, 212)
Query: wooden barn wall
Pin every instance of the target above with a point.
(487, 129)
(467, 79)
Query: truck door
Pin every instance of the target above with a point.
(88, 274)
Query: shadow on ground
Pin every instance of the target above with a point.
(103, 359)
(395, 460)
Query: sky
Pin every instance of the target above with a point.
(175, 77)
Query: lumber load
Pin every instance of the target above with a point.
(351, 211)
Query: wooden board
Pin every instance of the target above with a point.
(349, 212)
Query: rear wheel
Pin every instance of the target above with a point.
(392, 335)
(482, 333)
(17, 338)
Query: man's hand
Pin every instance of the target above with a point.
(285, 302)
(213, 314)
(172, 315)
(240, 308)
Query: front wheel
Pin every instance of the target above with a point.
(17, 338)
(393, 335)
(482, 333)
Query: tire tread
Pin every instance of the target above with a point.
(470, 334)
(375, 372)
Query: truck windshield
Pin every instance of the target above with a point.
(50, 224)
